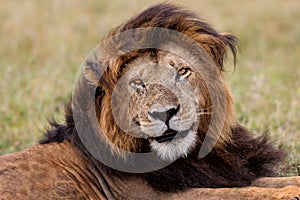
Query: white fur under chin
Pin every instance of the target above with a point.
(177, 147)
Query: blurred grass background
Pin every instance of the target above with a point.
(42, 44)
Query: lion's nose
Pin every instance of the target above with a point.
(164, 116)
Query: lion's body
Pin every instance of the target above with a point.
(62, 166)
(57, 171)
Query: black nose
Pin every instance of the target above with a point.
(164, 116)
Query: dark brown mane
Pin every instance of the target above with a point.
(178, 19)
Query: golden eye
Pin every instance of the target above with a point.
(184, 71)
(137, 82)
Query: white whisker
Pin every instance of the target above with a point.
(204, 113)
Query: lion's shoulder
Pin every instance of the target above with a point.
(46, 168)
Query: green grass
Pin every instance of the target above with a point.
(42, 44)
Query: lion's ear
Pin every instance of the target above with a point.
(92, 72)
(229, 41)
(217, 44)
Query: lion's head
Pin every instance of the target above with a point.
(158, 98)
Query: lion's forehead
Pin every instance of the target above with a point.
(160, 58)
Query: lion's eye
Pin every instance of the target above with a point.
(137, 83)
(184, 71)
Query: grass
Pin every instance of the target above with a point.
(42, 44)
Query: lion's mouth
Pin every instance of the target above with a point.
(170, 135)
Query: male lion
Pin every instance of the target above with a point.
(165, 103)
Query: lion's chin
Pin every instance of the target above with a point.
(175, 148)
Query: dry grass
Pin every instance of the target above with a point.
(42, 44)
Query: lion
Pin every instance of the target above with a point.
(166, 101)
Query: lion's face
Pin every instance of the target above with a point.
(165, 103)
